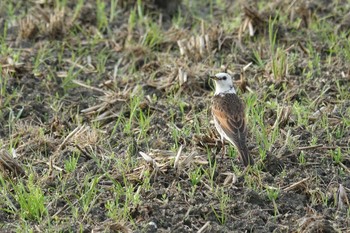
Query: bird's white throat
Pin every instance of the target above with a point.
(223, 89)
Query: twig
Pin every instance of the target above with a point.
(345, 167)
(204, 227)
(303, 48)
(310, 147)
(77, 130)
(76, 64)
(146, 157)
(292, 186)
(89, 87)
(150, 160)
(93, 108)
(320, 146)
(65, 207)
(278, 118)
(335, 147)
(342, 197)
(187, 160)
(177, 157)
(247, 66)
(54, 166)
(188, 213)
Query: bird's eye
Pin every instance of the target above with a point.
(224, 78)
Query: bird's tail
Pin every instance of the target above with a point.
(244, 154)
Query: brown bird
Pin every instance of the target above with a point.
(229, 116)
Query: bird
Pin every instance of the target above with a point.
(228, 112)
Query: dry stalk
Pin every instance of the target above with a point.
(9, 167)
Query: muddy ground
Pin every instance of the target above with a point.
(125, 102)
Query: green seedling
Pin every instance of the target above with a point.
(272, 194)
(71, 163)
(153, 36)
(102, 19)
(113, 10)
(125, 199)
(195, 176)
(301, 158)
(337, 156)
(221, 214)
(31, 200)
(89, 194)
(210, 171)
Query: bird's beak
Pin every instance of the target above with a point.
(214, 77)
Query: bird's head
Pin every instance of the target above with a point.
(223, 83)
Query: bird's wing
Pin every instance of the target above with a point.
(230, 114)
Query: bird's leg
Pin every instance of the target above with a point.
(223, 148)
(245, 171)
(223, 152)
